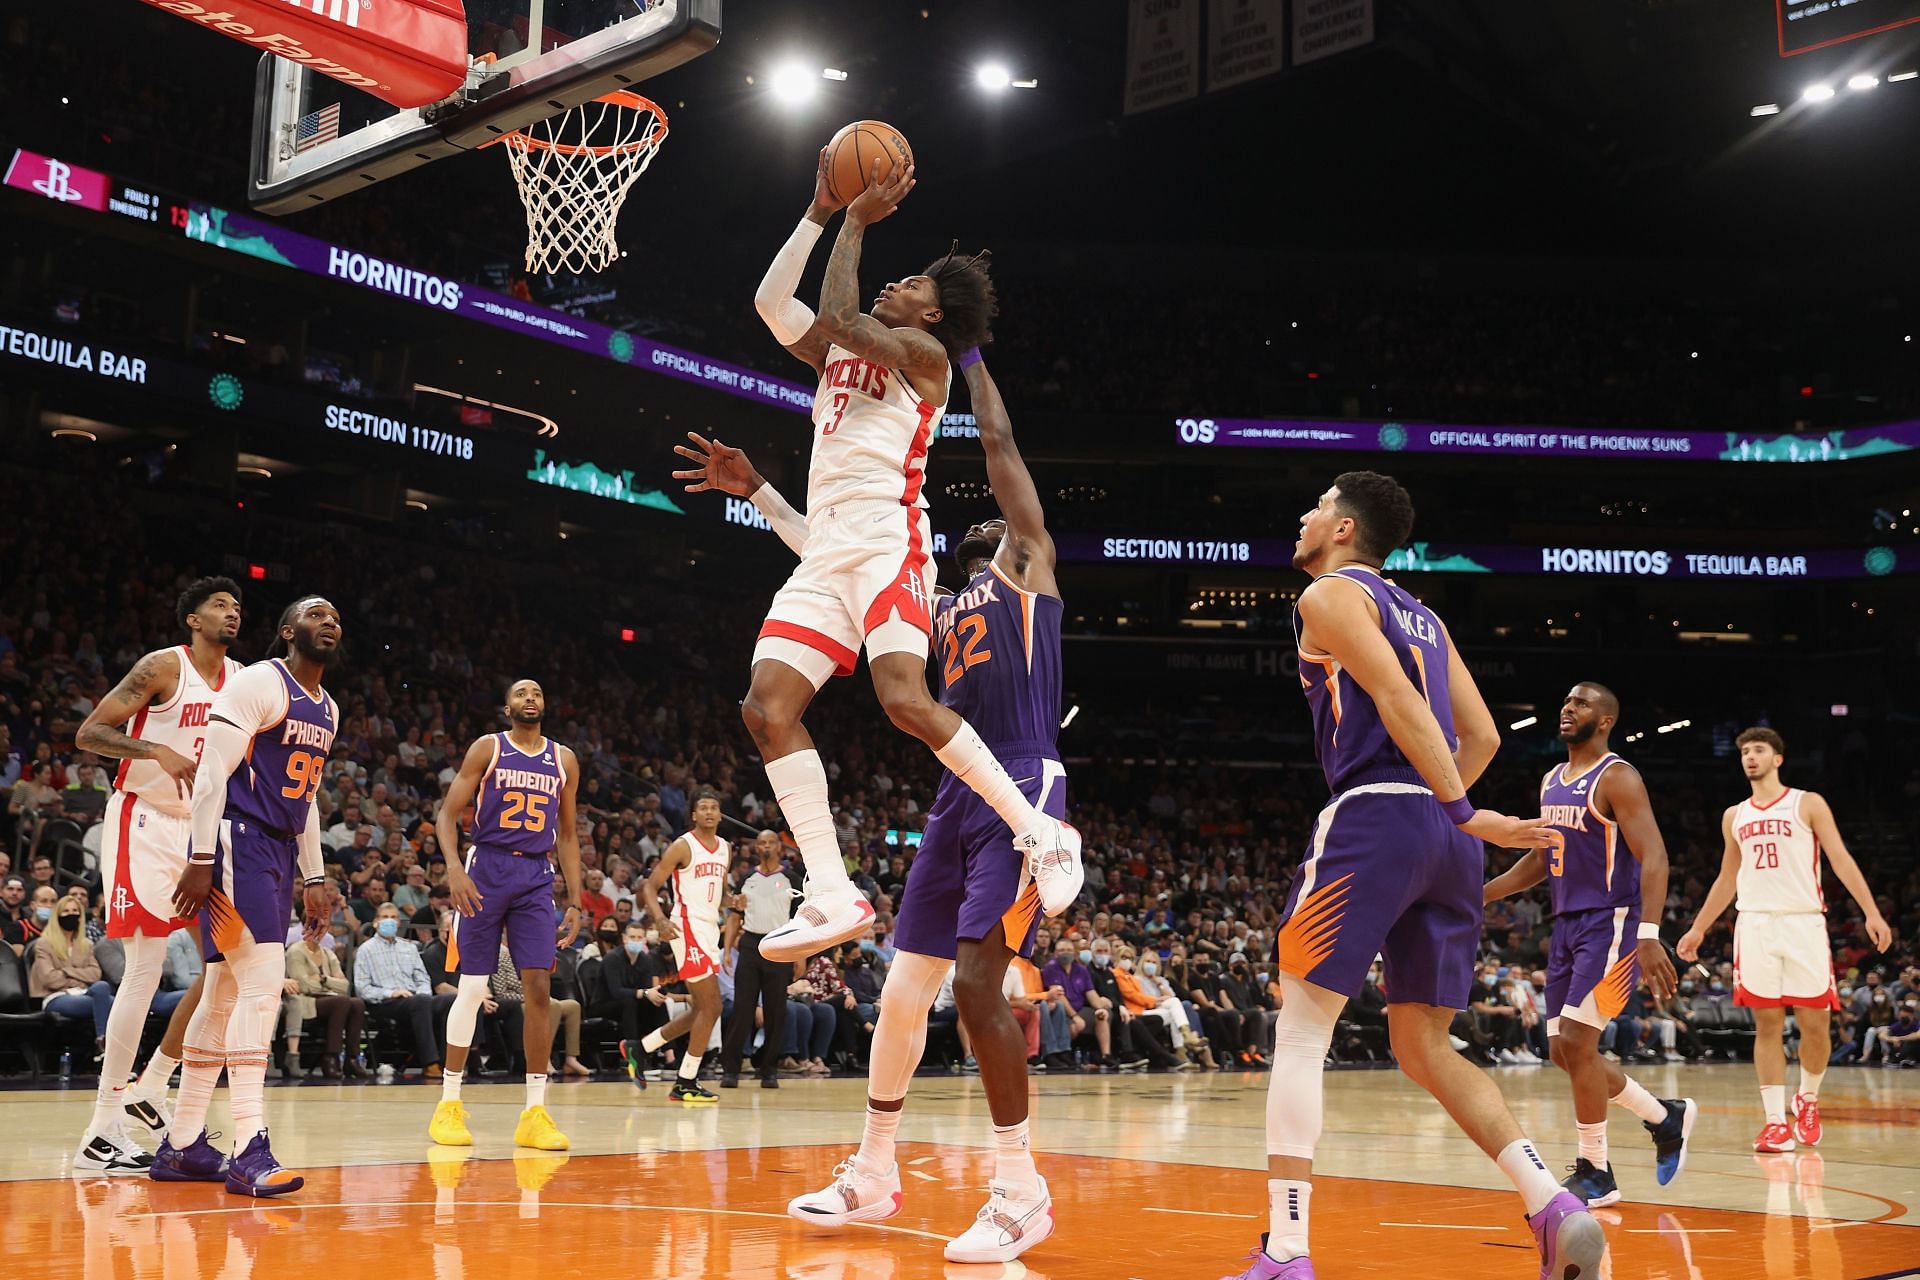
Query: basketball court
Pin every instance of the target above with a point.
(1152, 1177)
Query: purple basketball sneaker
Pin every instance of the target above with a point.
(1265, 1268)
(254, 1172)
(1570, 1240)
(198, 1161)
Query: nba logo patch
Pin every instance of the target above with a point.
(142, 822)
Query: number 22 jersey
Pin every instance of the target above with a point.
(292, 737)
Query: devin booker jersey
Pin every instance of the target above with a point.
(282, 773)
(871, 430)
(518, 805)
(1350, 738)
(700, 887)
(1779, 856)
(1588, 867)
(998, 649)
(179, 724)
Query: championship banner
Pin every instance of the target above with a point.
(1244, 41)
(1322, 28)
(1375, 436)
(1163, 53)
(406, 52)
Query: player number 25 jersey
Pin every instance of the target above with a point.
(179, 724)
(518, 804)
(871, 430)
(1779, 856)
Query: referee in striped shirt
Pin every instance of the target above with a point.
(768, 897)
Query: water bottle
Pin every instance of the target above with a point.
(66, 1065)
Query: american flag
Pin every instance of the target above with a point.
(316, 127)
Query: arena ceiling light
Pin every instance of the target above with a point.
(1525, 722)
(1817, 93)
(1862, 82)
(793, 84)
(993, 77)
(1903, 75)
(1765, 109)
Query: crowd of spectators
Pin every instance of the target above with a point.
(1166, 961)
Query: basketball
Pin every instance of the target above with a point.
(851, 154)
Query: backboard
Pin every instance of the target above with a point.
(315, 138)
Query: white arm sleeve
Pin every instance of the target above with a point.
(788, 523)
(254, 698)
(311, 864)
(786, 315)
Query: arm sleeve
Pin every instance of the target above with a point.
(253, 699)
(787, 316)
(788, 523)
(312, 864)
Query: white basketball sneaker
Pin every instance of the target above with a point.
(827, 918)
(111, 1151)
(1007, 1226)
(148, 1110)
(855, 1196)
(1053, 858)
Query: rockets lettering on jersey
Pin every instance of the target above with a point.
(857, 374)
(700, 887)
(1779, 856)
(282, 774)
(1350, 738)
(178, 724)
(1588, 866)
(871, 433)
(998, 650)
(518, 805)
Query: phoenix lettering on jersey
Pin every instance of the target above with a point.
(1571, 816)
(1768, 827)
(1417, 625)
(971, 598)
(527, 780)
(304, 733)
(859, 375)
(193, 715)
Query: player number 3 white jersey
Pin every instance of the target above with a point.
(1779, 857)
(871, 430)
(180, 724)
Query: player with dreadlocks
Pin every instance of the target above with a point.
(866, 576)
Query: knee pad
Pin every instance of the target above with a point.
(464, 1016)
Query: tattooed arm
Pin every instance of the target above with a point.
(152, 680)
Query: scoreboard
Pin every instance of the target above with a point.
(1805, 25)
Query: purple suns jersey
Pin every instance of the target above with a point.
(998, 650)
(518, 805)
(1350, 739)
(1585, 869)
(282, 773)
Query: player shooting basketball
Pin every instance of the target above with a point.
(865, 577)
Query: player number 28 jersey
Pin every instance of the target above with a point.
(871, 430)
(518, 804)
(1779, 856)
(179, 724)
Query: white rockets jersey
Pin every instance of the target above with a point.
(1779, 857)
(179, 723)
(870, 434)
(700, 887)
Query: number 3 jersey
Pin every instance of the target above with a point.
(1589, 867)
(519, 798)
(292, 736)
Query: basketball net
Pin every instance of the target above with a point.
(574, 171)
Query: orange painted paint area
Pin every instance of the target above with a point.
(703, 1215)
(1311, 931)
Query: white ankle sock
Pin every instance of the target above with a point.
(689, 1065)
(450, 1082)
(1287, 1218)
(1810, 1083)
(970, 761)
(1773, 1100)
(1013, 1157)
(1593, 1143)
(800, 785)
(536, 1090)
(1635, 1098)
(876, 1141)
(158, 1076)
(1528, 1173)
(652, 1041)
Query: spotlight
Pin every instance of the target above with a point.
(793, 84)
(1525, 723)
(993, 77)
(1816, 93)
(1765, 109)
(1862, 82)
(1902, 75)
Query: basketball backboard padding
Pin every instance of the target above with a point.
(582, 50)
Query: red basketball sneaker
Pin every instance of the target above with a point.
(1777, 1136)
(1806, 1120)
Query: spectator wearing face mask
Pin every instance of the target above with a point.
(389, 976)
(630, 991)
(1180, 1017)
(1900, 1039)
(65, 973)
(1069, 974)
(1135, 1043)
(1140, 1009)
(1498, 1020)
(1212, 978)
(13, 913)
(1880, 1008)
(1248, 992)
(1057, 1028)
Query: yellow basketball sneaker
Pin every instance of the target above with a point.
(449, 1124)
(537, 1130)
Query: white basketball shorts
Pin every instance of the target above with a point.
(143, 853)
(1782, 958)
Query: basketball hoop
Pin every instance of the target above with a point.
(574, 171)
